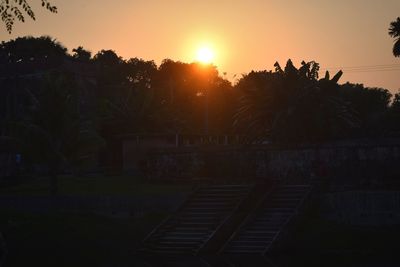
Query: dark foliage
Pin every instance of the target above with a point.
(293, 106)
(32, 50)
(135, 96)
(11, 10)
(394, 31)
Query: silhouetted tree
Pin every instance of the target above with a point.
(107, 58)
(186, 92)
(31, 49)
(291, 105)
(391, 120)
(54, 133)
(396, 101)
(134, 96)
(371, 104)
(10, 10)
(394, 31)
(131, 110)
(81, 54)
(111, 74)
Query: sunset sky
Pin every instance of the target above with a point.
(243, 35)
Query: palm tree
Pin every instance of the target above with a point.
(394, 31)
(54, 134)
(292, 105)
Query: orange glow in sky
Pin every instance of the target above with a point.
(245, 35)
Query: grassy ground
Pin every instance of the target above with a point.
(329, 237)
(101, 185)
(73, 239)
(317, 242)
(70, 239)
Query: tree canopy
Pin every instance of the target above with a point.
(32, 49)
(134, 96)
(292, 105)
(394, 31)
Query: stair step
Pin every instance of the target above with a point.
(199, 220)
(208, 205)
(284, 201)
(289, 194)
(243, 251)
(261, 222)
(293, 188)
(278, 209)
(271, 218)
(249, 247)
(270, 214)
(191, 229)
(263, 231)
(253, 243)
(259, 232)
(201, 209)
(175, 252)
(205, 210)
(223, 189)
(218, 194)
(199, 213)
(181, 238)
(183, 234)
(261, 227)
(222, 192)
(179, 242)
(253, 238)
(208, 200)
(178, 249)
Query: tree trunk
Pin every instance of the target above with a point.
(54, 179)
(54, 184)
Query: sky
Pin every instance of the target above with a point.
(244, 35)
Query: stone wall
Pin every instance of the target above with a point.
(350, 164)
(362, 207)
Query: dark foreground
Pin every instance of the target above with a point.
(60, 239)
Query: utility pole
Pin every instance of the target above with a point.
(206, 111)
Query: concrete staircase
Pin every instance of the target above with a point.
(262, 227)
(199, 218)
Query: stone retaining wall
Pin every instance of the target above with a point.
(362, 207)
(342, 164)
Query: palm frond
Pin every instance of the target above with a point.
(394, 29)
(396, 48)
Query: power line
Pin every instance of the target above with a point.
(371, 70)
(366, 68)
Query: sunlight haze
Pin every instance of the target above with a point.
(346, 34)
(205, 55)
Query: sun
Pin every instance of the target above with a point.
(205, 55)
